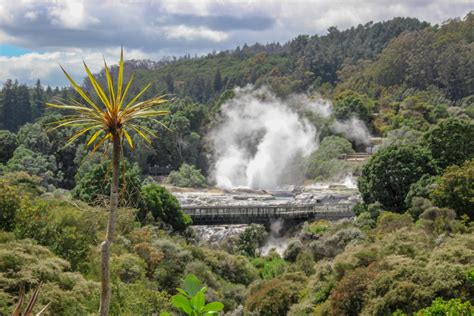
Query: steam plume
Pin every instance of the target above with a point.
(262, 140)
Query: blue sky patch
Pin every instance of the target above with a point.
(10, 50)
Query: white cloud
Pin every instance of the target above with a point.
(45, 66)
(71, 14)
(194, 33)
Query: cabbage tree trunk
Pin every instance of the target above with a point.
(106, 290)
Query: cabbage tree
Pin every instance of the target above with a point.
(114, 119)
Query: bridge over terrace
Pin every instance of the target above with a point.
(264, 214)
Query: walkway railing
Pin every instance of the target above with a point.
(240, 214)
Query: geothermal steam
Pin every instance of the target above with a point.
(262, 141)
(259, 140)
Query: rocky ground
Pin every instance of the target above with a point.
(311, 194)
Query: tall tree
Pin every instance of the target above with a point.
(110, 121)
(217, 81)
(38, 100)
(22, 108)
(169, 83)
(8, 105)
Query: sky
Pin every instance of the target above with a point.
(37, 35)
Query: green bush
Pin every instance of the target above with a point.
(451, 142)
(35, 164)
(324, 164)
(33, 137)
(438, 220)
(188, 176)
(93, 184)
(332, 244)
(455, 189)
(454, 307)
(294, 248)
(138, 298)
(66, 230)
(162, 205)
(270, 267)
(349, 104)
(9, 205)
(275, 296)
(389, 222)
(8, 144)
(251, 239)
(387, 176)
(23, 263)
(422, 188)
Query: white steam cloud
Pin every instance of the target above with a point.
(353, 129)
(262, 140)
(259, 139)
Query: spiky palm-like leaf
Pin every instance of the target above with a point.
(112, 116)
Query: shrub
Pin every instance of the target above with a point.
(316, 227)
(128, 268)
(162, 205)
(170, 268)
(23, 263)
(324, 163)
(451, 142)
(235, 269)
(387, 176)
(422, 188)
(349, 104)
(67, 231)
(438, 220)
(270, 267)
(33, 137)
(138, 298)
(331, 245)
(304, 262)
(275, 296)
(293, 250)
(348, 296)
(9, 205)
(418, 206)
(389, 222)
(35, 164)
(440, 307)
(188, 176)
(251, 239)
(93, 184)
(8, 144)
(456, 189)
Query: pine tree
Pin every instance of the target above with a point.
(8, 105)
(217, 81)
(169, 80)
(38, 100)
(22, 107)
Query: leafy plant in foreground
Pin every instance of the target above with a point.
(191, 299)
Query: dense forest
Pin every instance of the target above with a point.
(410, 249)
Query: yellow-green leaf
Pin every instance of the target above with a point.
(79, 90)
(93, 137)
(129, 139)
(98, 89)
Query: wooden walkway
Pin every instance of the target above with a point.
(264, 214)
(355, 157)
